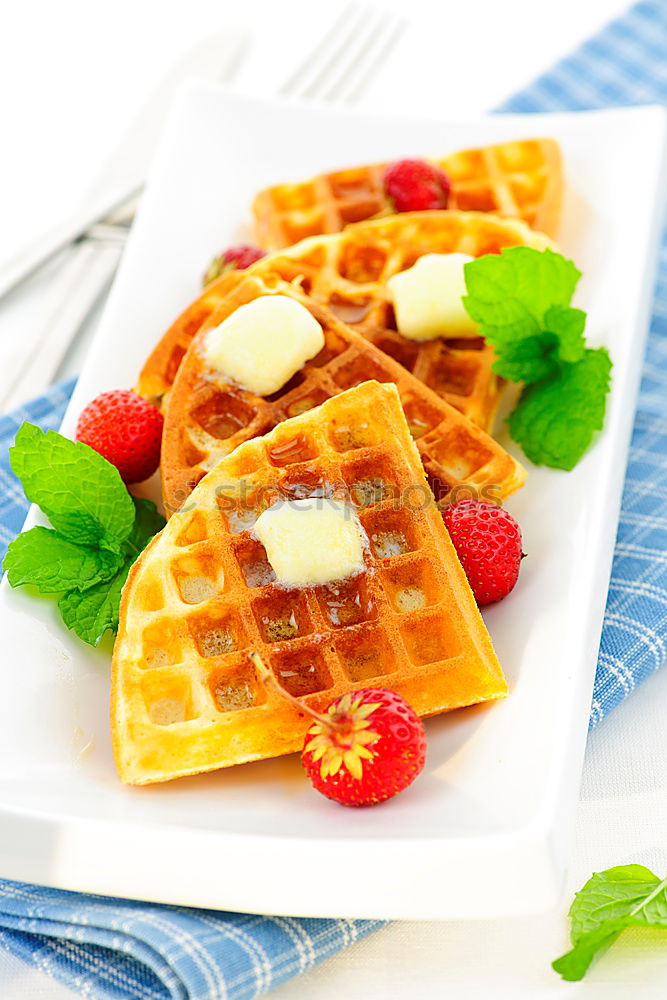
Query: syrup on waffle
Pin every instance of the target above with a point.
(208, 416)
(185, 696)
(517, 180)
(348, 272)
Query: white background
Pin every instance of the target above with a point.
(71, 76)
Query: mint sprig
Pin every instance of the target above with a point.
(47, 560)
(80, 492)
(520, 300)
(556, 418)
(95, 610)
(98, 531)
(611, 901)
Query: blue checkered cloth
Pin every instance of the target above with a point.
(109, 948)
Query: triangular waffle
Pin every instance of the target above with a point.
(348, 273)
(207, 416)
(185, 697)
(516, 180)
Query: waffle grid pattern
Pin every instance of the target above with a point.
(185, 694)
(518, 180)
(347, 272)
(207, 418)
(350, 275)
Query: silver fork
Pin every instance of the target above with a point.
(344, 61)
(337, 70)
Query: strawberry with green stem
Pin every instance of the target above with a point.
(366, 748)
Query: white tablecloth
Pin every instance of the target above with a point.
(68, 89)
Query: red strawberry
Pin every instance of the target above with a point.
(488, 543)
(367, 748)
(126, 430)
(416, 186)
(237, 257)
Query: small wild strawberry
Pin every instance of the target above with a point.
(125, 429)
(367, 747)
(238, 258)
(488, 543)
(416, 186)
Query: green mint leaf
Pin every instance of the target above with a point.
(91, 613)
(44, 558)
(148, 521)
(625, 896)
(611, 894)
(574, 964)
(528, 360)
(520, 300)
(79, 491)
(510, 293)
(567, 325)
(555, 419)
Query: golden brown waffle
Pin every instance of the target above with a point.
(185, 696)
(348, 272)
(517, 180)
(208, 416)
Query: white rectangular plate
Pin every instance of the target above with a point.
(485, 830)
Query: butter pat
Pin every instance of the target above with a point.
(263, 343)
(311, 542)
(427, 298)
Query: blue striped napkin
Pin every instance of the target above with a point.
(109, 948)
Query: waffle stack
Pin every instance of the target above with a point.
(203, 595)
(185, 697)
(348, 272)
(516, 180)
(208, 416)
